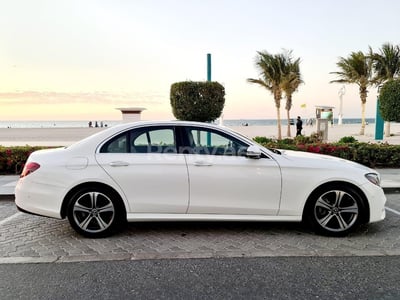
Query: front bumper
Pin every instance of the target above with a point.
(376, 200)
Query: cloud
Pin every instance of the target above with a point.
(102, 98)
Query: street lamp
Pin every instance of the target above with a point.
(341, 92)
(378, 120)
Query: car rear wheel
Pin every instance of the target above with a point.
(335, 211)
(94, 212)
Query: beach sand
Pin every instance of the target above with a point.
(67, 136)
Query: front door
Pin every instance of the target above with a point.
(224, 181)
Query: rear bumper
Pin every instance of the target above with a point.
(28, 212)
(39, 199)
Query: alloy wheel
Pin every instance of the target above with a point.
(93, 212)
(336, 211)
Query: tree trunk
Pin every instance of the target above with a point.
(277, 98)
(363, 96)
(387, 129)
(362, 131)
(288, 123)
(278, 111)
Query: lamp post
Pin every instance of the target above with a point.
(341, 92)
(208, 66)
(378, 120)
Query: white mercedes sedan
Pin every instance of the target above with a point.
(178, 171)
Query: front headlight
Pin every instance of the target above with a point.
(374, 178)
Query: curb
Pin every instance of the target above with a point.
(391, 190)
(196, 255)
(10, 197)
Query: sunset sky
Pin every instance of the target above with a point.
(81, 59)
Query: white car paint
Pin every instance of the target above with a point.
(185, 186)
(217, 187)
(148, 187)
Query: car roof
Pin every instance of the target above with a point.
(94, 140)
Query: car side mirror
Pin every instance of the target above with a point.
(253, 152)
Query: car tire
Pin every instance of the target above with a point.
(335, 210)
(95, 212)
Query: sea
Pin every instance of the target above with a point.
(109, 123)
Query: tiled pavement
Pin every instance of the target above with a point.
(25, 238)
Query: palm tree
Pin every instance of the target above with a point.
(271, 68)
(386, 65)
(357, 68)
(291, 81)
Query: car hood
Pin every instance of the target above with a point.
(311, 160)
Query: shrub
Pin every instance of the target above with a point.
(313, 138)
(263, 140)
(372, 155)
(288, 141)
(347, 140)
(389, 99)
(197, 101)
(377, 155)
(12, 159)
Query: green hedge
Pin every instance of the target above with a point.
(201, 101)
(374, 155)
(382, 155)
(12, 159)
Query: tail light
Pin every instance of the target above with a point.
(29, 168)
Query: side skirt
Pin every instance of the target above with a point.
(209, 217)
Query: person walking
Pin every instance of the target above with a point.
(299, 126)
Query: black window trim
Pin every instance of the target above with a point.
(180, 137)
(185, 144)
(144, 129)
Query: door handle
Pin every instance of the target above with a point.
(202, 164)
(119, 164)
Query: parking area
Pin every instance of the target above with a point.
(26, 238)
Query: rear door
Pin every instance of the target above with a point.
(144, 162)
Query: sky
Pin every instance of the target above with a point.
(80, 60)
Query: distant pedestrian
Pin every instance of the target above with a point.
(90, 124)
(96, 124)
(299, 126)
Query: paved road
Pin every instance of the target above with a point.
(224, 278)
(26, 238)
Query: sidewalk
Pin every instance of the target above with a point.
(7, 185)
(390, 182)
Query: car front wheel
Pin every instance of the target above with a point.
(94, 212)
(335, 211)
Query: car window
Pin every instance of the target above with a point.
(116, 145)
(209, 142)
(142, 140)
(153, 141)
